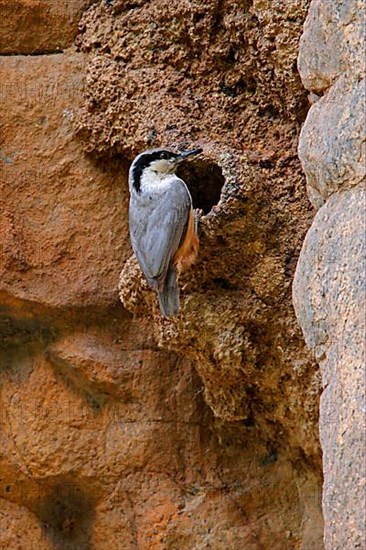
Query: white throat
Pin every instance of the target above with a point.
(155, 182)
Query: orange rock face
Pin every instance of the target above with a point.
(56, 246)
(39, 26)
(121, 430)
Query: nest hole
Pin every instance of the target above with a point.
(204, 180)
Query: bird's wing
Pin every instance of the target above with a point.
(156, 232)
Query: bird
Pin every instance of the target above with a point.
(162, 223)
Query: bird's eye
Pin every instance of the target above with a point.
(164, 155)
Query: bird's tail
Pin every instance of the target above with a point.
(169, 294)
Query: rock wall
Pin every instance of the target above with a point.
(119, 429)
(329, 286)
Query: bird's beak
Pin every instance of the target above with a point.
(185, 154)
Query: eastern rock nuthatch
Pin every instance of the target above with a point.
(162, 223)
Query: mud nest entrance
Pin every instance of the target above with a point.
(204, 181)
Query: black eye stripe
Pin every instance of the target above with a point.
(145, 160)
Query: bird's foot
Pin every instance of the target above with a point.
(197, 214)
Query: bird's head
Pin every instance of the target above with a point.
(158, 161)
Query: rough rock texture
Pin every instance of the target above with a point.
(331, 62)
(329, 300)
(107, 439)
(213, 75)
(331, 44)
(329, 286)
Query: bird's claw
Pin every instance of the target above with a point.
(197, 214)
